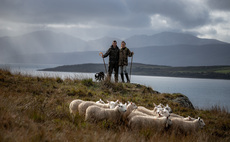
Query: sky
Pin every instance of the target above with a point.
(93, 19)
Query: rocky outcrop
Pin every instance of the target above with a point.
(184, 101)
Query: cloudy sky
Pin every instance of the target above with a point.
(92, 19)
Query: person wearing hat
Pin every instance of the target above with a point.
(113, 53)
(123, 61)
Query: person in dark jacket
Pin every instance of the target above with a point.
(113, 53)
(123, 60)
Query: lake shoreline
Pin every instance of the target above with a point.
(201, 72)
(41, 70)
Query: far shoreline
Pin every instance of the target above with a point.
(196, 72)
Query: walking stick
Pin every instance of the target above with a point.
(104, 62)
(131, 68)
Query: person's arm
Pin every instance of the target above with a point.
(130, 54)
(107, 53)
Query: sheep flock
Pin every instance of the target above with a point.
(135, 117)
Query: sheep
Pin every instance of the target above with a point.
(130, 107)
(100, 102)
(163, 112)
(147, 111)
(84, 105)
(189, 118)
(173, 115)
(167, 108)
(112, 103)
(149, 122)
(185, 126)
(96, 114)
(135, 113)
(158, 106)
(153, 112)
(157, 110)
(73, 107)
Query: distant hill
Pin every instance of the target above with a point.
(177, 55)
(102, 44)
(167, 48)
(214, 72)
(43, 42)
(169, 38)
(184, 55)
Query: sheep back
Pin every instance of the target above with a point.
(148, 122)
(96, 114)
(83, 106)
(146, 111)
(73, 106)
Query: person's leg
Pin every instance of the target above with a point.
(122, 74)
(126, 74)
(116, 68)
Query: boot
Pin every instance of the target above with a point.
(122, 78)
(127, 77)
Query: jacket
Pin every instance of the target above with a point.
(113, 54)
(123, 56)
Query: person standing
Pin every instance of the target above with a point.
(123, 61)
(113, 53)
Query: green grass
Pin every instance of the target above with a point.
(223, 71)
(36, 109)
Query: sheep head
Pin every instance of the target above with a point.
(122, 108)
(112, 104)
(101, 101)
(201, 122)
(168, 108)
(163, 112)
(132, 105)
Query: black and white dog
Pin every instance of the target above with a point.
(99, 76)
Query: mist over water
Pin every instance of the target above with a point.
(203, 93)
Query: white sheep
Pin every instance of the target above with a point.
(185, 126)
(96, 114)
(135, 113)
(189, 118)
(100, 102)
(130, 107)
(167, 108)
(173, 115)
(157, 110)
(147, 111)
(84, 105)
(113, 104)
(149, 122)
(158, 106)
(73, 107)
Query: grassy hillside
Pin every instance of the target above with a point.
(214, 72)
(36, 109)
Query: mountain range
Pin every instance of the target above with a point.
(167, 48)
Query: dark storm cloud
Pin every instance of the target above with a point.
(222, 5)
(130, 13)
(187, 14)
(104, 16)
(59, 11)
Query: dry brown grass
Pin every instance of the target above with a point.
(36, 109)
